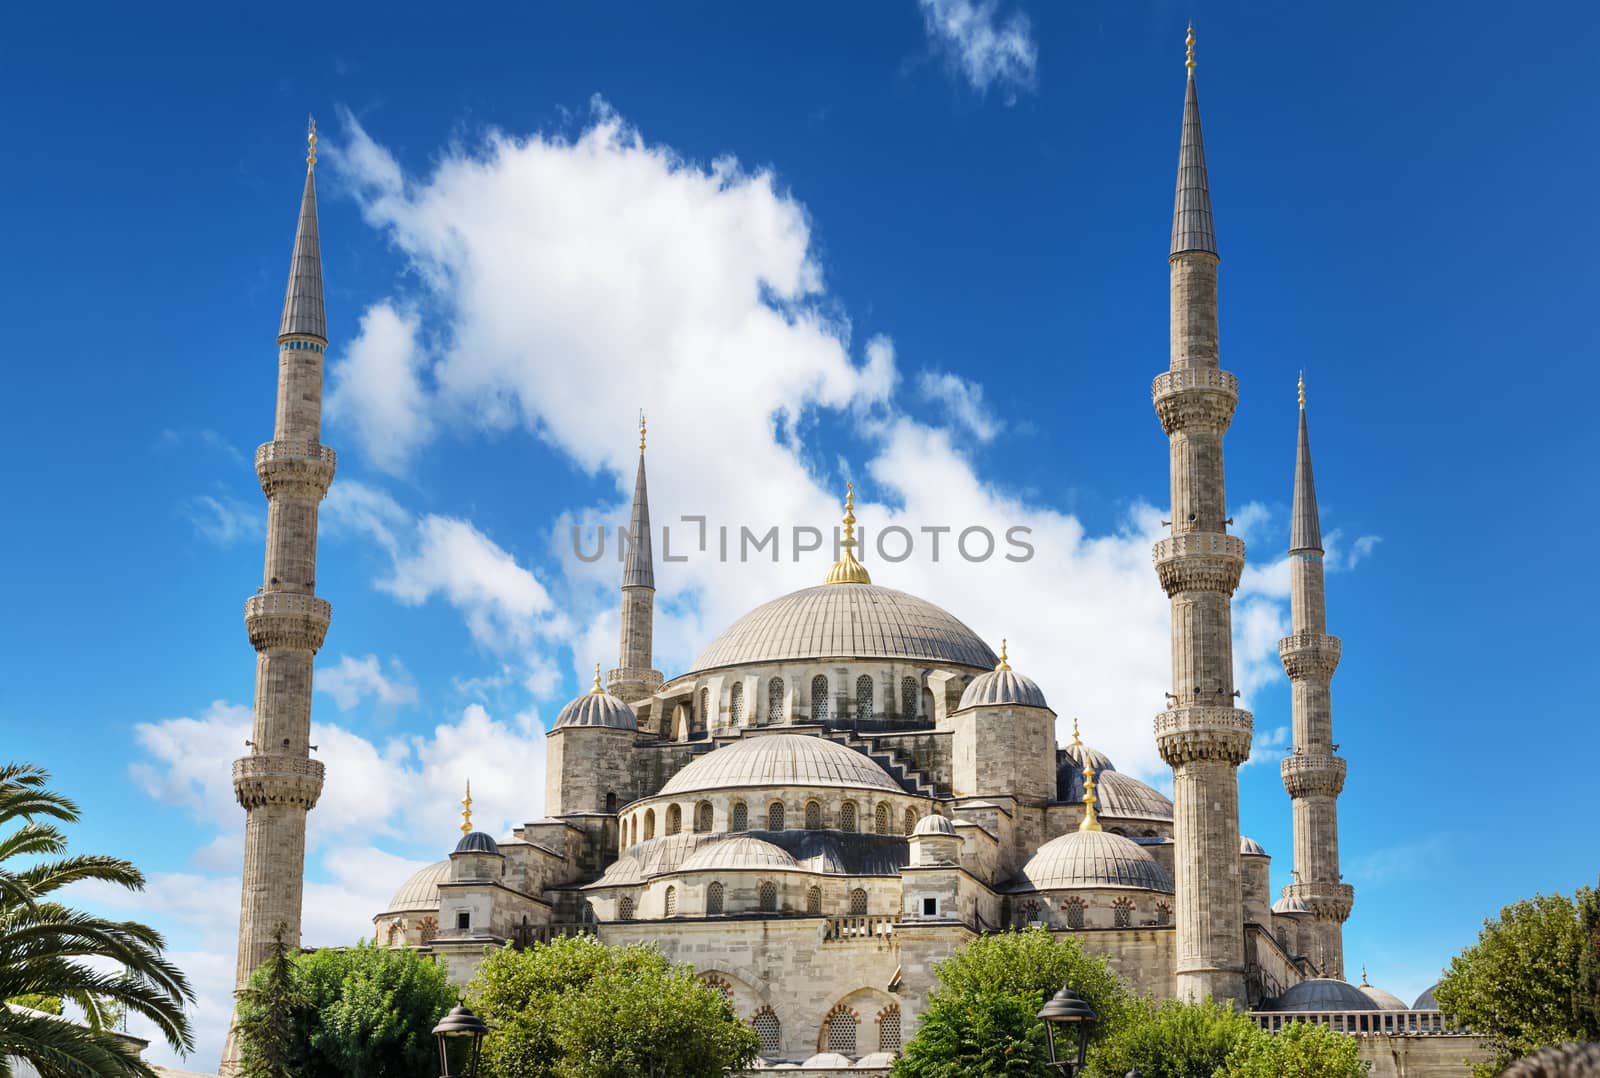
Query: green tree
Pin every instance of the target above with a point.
(1587, 1002)
(982, 1017)
(1175, 1040)
(578, 1008)
(50, 950)
(361, 1012)
(1300, 1050)
(1519, 987)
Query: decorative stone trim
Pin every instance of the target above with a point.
(295, 469)
(1313, 774)
(1327, 900)
(1199, 561)
(1185, 734)
(1308, 655)
(277, 780)
(278, 619)
(1200, 400)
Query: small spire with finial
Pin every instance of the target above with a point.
(466, 810)
(598, 688)
(1189, 45)
(1302, 391)
(1075, 738)
(1090, 822)
(641, 430)
(311, 142)
(1004, 663)
(847, 570)
(1364, 983)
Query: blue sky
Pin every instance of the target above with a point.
(815, 244)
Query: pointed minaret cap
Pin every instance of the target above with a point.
(847, 570)
(638, 568)
(1305, 532)
(1090, 821)
(1191, 206)
(302, 302)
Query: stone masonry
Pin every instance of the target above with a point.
(1201, 735)
(278, 782)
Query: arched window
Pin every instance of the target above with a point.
(889, 1028)
(767, 897)
(625, 908)
(775, 700)
(814, 900)
(736, 704)
(672, 902)
(1122, 912)
(394, 934)
(1074, 910)
(908, 697)
(714, 898)
(775, 816)
(911, 820)
(864, 697)
(611, 802)
(649, 823)
(813, 816)
(741, 817)
(858, 903)
(674, 819)
(430, 929)
(702, 816)
(819, 698)
(880, 820)
(705, 708)
(839, 1031)
(1163, 913)
(847, 816)
(769, 1030)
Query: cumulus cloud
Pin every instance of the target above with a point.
(962, 400)
(982, 46)
(224, 520)
(353, 680)
(378, 387)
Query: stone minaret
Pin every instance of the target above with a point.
(1201, 734)
(634, 679)
(1313, 775)
(278, 782)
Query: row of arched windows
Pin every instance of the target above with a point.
(840, 1030)
(865, 703)
(642, 827)
(1121, 912)
(766, 900)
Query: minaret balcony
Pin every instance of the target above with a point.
(1198, 399)
(1185, 734)
(295, 469)
(268, 779)
(1200, 561)
(1308, 655)
(1313, 773)
(279, 619)
(1328, 900)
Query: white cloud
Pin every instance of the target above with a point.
(377, 386)
(1339, 558)
(224, 520)
(985, 48)
(352, 680)
(963, 400)
(1268, 746)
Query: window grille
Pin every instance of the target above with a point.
(430, 929)
(672, 901)
(813, 816)
(864, 697)
(770, 1031)
(819, 698)
(908, 697)
(889, 1029)
(711, 980)
(674, 819)
(702, 816)
(840, 1032)
(814, 900)
(880, 820)
(775, 816)
(625, 908)
(736, 703)
(714, 898)
(858, 903)
(1163, 913)
(911, 820)
(705, 708)
(741, 817)
(767, 896)
(847, 816)
(1074, 907)
(1122, 913)
(775, 700)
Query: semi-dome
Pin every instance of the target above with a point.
(1290, 904)
(741, 852)
(780, 760)
(1386, 1001)
(1092, 859)
(598, 708)
(621, 872)
(1426, 1001)
(1321, 994)
(934, 825)
(1003, 686)
(1249, 847)
(421, 891)
(477, 842)
(847, 621)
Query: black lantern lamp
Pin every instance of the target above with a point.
(460, 1036)
(1067, 1010)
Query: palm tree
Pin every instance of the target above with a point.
(51, 950)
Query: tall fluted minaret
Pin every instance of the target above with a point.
(634, 679)
(278, 782)
(1201, 734)
(1313, 775)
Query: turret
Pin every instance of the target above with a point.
(634, 679)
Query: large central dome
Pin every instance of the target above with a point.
(847, 621)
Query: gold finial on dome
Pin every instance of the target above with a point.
(847, 570)
(641, 430)
(1091, 822)
(311, 142)
(1075, 738)
(466, 810)
(1189, 44)
(1004, 663)
(1363, 983)
(598, 689)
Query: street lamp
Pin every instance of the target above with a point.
(1067, 1009)
(460, 1035)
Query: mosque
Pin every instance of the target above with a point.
(849, 783)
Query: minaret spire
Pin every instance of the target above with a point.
(1313, 774)
(633, 680)
(1202, 735)
(278, 783)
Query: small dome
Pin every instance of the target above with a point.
(1386, 1001)
(621, 872)
(1249, 847)
(1092, 859)
(1291, 905)
(1080, 754)
(597, 709)
(421, 891)
(780, 760)
(874, 1060)
(1426, 1002)
(1002, 687)
(742, 852)
(827, 1059)
(1321, 994)
(477, 842)
(934, 825)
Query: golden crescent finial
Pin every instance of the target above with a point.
(311, 142)
(1005, 663)
(847, 570)
(1302, 391)
(466, 810)
(1075, 740)
(641, 430)
(1189, 45)
(1090, 822)
(598, 688)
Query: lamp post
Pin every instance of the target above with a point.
(460, 1036)
(1067, 1009)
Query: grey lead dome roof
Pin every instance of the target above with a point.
(741, 852)
(1091, 859)
(934, 825)
(1002, 687)
(1321, 994)
(421, 891)
(598, 709)
(780, 760)
(849, 621)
